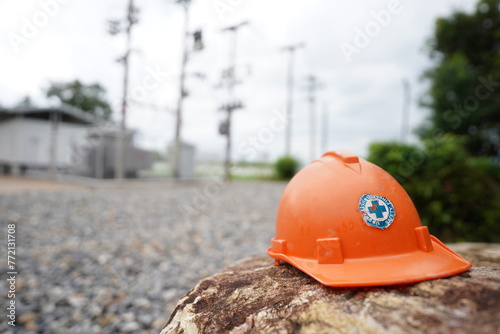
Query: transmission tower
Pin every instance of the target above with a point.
(289, 99)
(198, 46)
(312, 86)
(116, 27)
(232, 104)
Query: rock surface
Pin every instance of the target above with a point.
(254, 296)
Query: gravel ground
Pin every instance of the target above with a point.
(117, 260)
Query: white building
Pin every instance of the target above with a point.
(33, 138)
(97, 158)
(65, 139)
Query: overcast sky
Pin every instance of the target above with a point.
(63, 40)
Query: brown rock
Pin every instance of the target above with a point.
(254, 296)
(27, 317)
(29, 321)
(31, 326)
(107, 319)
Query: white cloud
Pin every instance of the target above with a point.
(364, 96)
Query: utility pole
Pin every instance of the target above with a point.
(55, 118)
(313, 85)
(406, 111)
(182, 94)
(289, 100)
(325, 128)
(232, 104)
(176, 154)
(114, 29)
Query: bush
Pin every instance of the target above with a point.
(286, 167)
(456, 194)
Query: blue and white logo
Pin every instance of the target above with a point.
(377, 211)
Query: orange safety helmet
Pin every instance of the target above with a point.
(346, 222)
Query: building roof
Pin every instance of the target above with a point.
(67, 114)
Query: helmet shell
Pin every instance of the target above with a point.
(347, 222)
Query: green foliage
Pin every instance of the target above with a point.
(89, 98)
(456, 194)
(464, 83)
(286, 167)
(451, 176)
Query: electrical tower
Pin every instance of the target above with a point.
(289, 100)
(232, 104)
(198, 46)
(325, 128)
(312, 86)
(115, 27)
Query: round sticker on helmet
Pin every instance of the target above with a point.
(377, 210)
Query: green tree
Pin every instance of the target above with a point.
(286, 167)
(89, 98)
(464, 83)
(455, 193)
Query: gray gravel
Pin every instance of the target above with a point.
(117, 260)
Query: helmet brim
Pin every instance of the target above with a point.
(387, 270)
